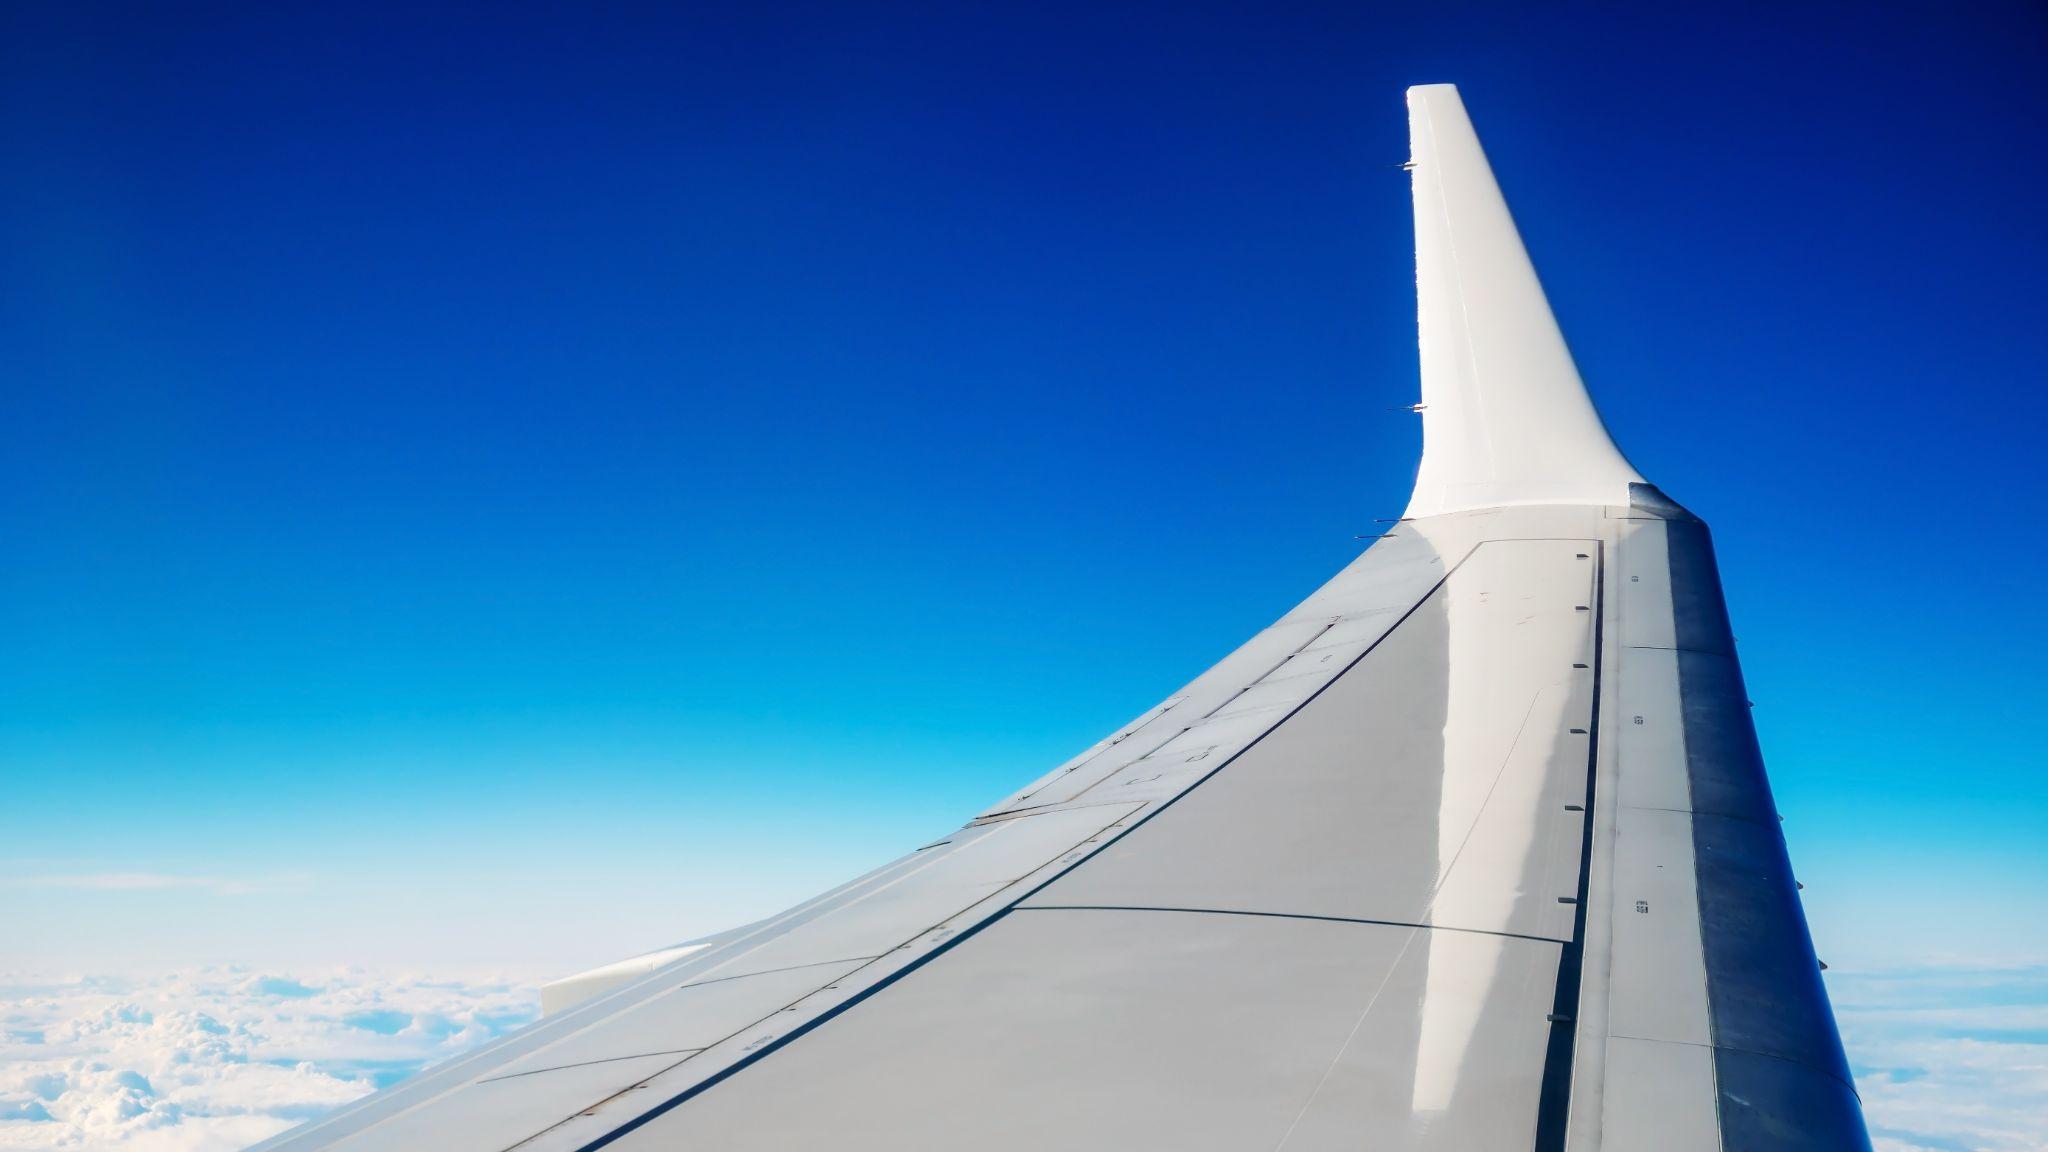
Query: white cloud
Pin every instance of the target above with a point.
(212, 1060)
(1949, 1058)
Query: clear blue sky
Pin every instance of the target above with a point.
(529, 487)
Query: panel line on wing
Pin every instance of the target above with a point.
(1350, 1038)
(773, 971)
(1284, 916)
(588, 1063)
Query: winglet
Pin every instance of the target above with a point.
(1505, 417)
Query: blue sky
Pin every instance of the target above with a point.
(523, 490)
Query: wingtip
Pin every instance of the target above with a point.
(1428, 103)
(1508, 420)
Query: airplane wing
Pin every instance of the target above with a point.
(1471, 850)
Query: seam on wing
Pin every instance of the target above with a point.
(588, 1063)
(1284, 916)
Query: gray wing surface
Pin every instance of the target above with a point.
(1472, 849)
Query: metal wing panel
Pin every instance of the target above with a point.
(1081, 1028)
(498, 1113)
(1257, 962)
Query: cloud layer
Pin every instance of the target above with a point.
(213, 1060)
(1949, 1058)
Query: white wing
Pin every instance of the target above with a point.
(1471, 850)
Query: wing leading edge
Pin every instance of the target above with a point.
(1471, 849)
